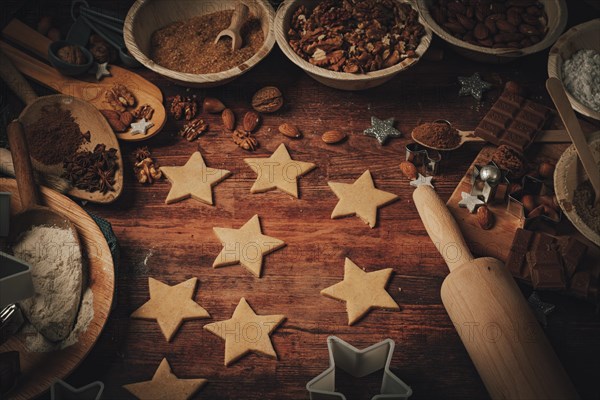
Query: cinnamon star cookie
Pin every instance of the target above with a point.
(362, 291)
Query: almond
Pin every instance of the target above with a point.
(213, 105)
(481, 31)
(529, 202)
(505, 26)
(228, 118)
(408, 169)
(485, 218)
(251, 121)
(114, 120)
(290, 130)
(467, 23)
(333, 137)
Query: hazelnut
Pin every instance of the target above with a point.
(53, 34)
(44, 24)
(529, 202)
(514, 87)
(546, 170)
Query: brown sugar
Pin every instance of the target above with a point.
(188, 45)
(436, 135)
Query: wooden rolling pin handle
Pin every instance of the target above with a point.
(441, 227)
(22, 163)
(15, 81)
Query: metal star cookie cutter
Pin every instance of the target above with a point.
(486, 179)
(4, 213)
(426, 160)
(533, 186)
(61, 390)
(358, 363)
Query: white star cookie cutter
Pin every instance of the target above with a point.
(358, 363)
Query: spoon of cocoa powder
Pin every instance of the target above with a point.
(441, 135)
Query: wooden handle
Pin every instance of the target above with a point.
(22, 164)
(15, 81)
(561, 101)
(441, 227)
(240, 12)
(27, 38)
(504, 340)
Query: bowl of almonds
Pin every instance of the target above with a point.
(351, 45)
(495, 31)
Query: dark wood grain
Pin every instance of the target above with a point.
(175, 242)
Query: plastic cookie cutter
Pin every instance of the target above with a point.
(4, 213)
(61, 390)
(535, 187)
(426, 160)
(358, 363)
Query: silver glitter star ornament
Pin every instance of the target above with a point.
(382, 130)
(470, 202)
(473, 86)
(141, 126)
(102, 71)
(421, 180)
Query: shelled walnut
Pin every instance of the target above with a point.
(193, 129)
(245, 140)
(144, 111)
(184, 107)
(120, 98)
(72, 55)
(145, 169)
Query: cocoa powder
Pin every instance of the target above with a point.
(437, 135)
(54, 136)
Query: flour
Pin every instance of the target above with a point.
(581, 77)
(56, 269)
(35, 342)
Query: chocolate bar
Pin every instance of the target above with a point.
(513, 121)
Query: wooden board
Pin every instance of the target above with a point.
(39, 370)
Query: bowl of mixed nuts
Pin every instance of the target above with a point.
(495, 31)
(354, 44)
(176, 39)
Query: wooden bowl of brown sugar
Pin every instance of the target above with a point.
(176, 39)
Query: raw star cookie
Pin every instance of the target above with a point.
(246, 332)
(165, 386)
(278, 172)
(171, 305)
(194, 180)
(362, 291)
(360, 198)
(246, 246)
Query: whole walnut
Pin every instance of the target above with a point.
(72, 55)
(102, 50)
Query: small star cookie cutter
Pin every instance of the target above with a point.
(358, 363)
(426, 160)
(533, 186)
(4, 213)
(60, 390)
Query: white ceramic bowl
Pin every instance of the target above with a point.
(583, 36)
(339, 80)
(146, 16)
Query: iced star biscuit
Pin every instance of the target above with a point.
(171, 305)
(246, 246)
(246, 332)
(278, 172)
(360, 198)
(165, 386)
(194, 180)
(362, 291)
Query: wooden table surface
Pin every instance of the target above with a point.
(175, 242)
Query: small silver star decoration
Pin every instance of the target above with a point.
(473, 86)
(102, 71)
(470, 202)
(421, 180)
(141, 126)
(540, 309)
(382, 130)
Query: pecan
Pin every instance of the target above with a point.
(183, 106)
(245, 140)
(193, 129)
(119, 98)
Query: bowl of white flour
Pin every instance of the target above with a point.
(575, 60)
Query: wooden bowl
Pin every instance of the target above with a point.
(583, 36)
(556, 11)
(339, 80)
(567, 176)
(146, 16)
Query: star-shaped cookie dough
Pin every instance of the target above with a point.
(422, 180)
(102, 71)
(470, 202)
(278, 172)
(473, 86)
(362, 291)
(165, 385)
(246, 332)
(171, 305)
(360, 198)
(194, 180)
(382, 130)
(141, 126)
(246, 246)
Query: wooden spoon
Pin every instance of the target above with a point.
(559, 97)
(88, 118)
(549, 136)
(238, 18)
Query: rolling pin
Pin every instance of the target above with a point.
(504, 340)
